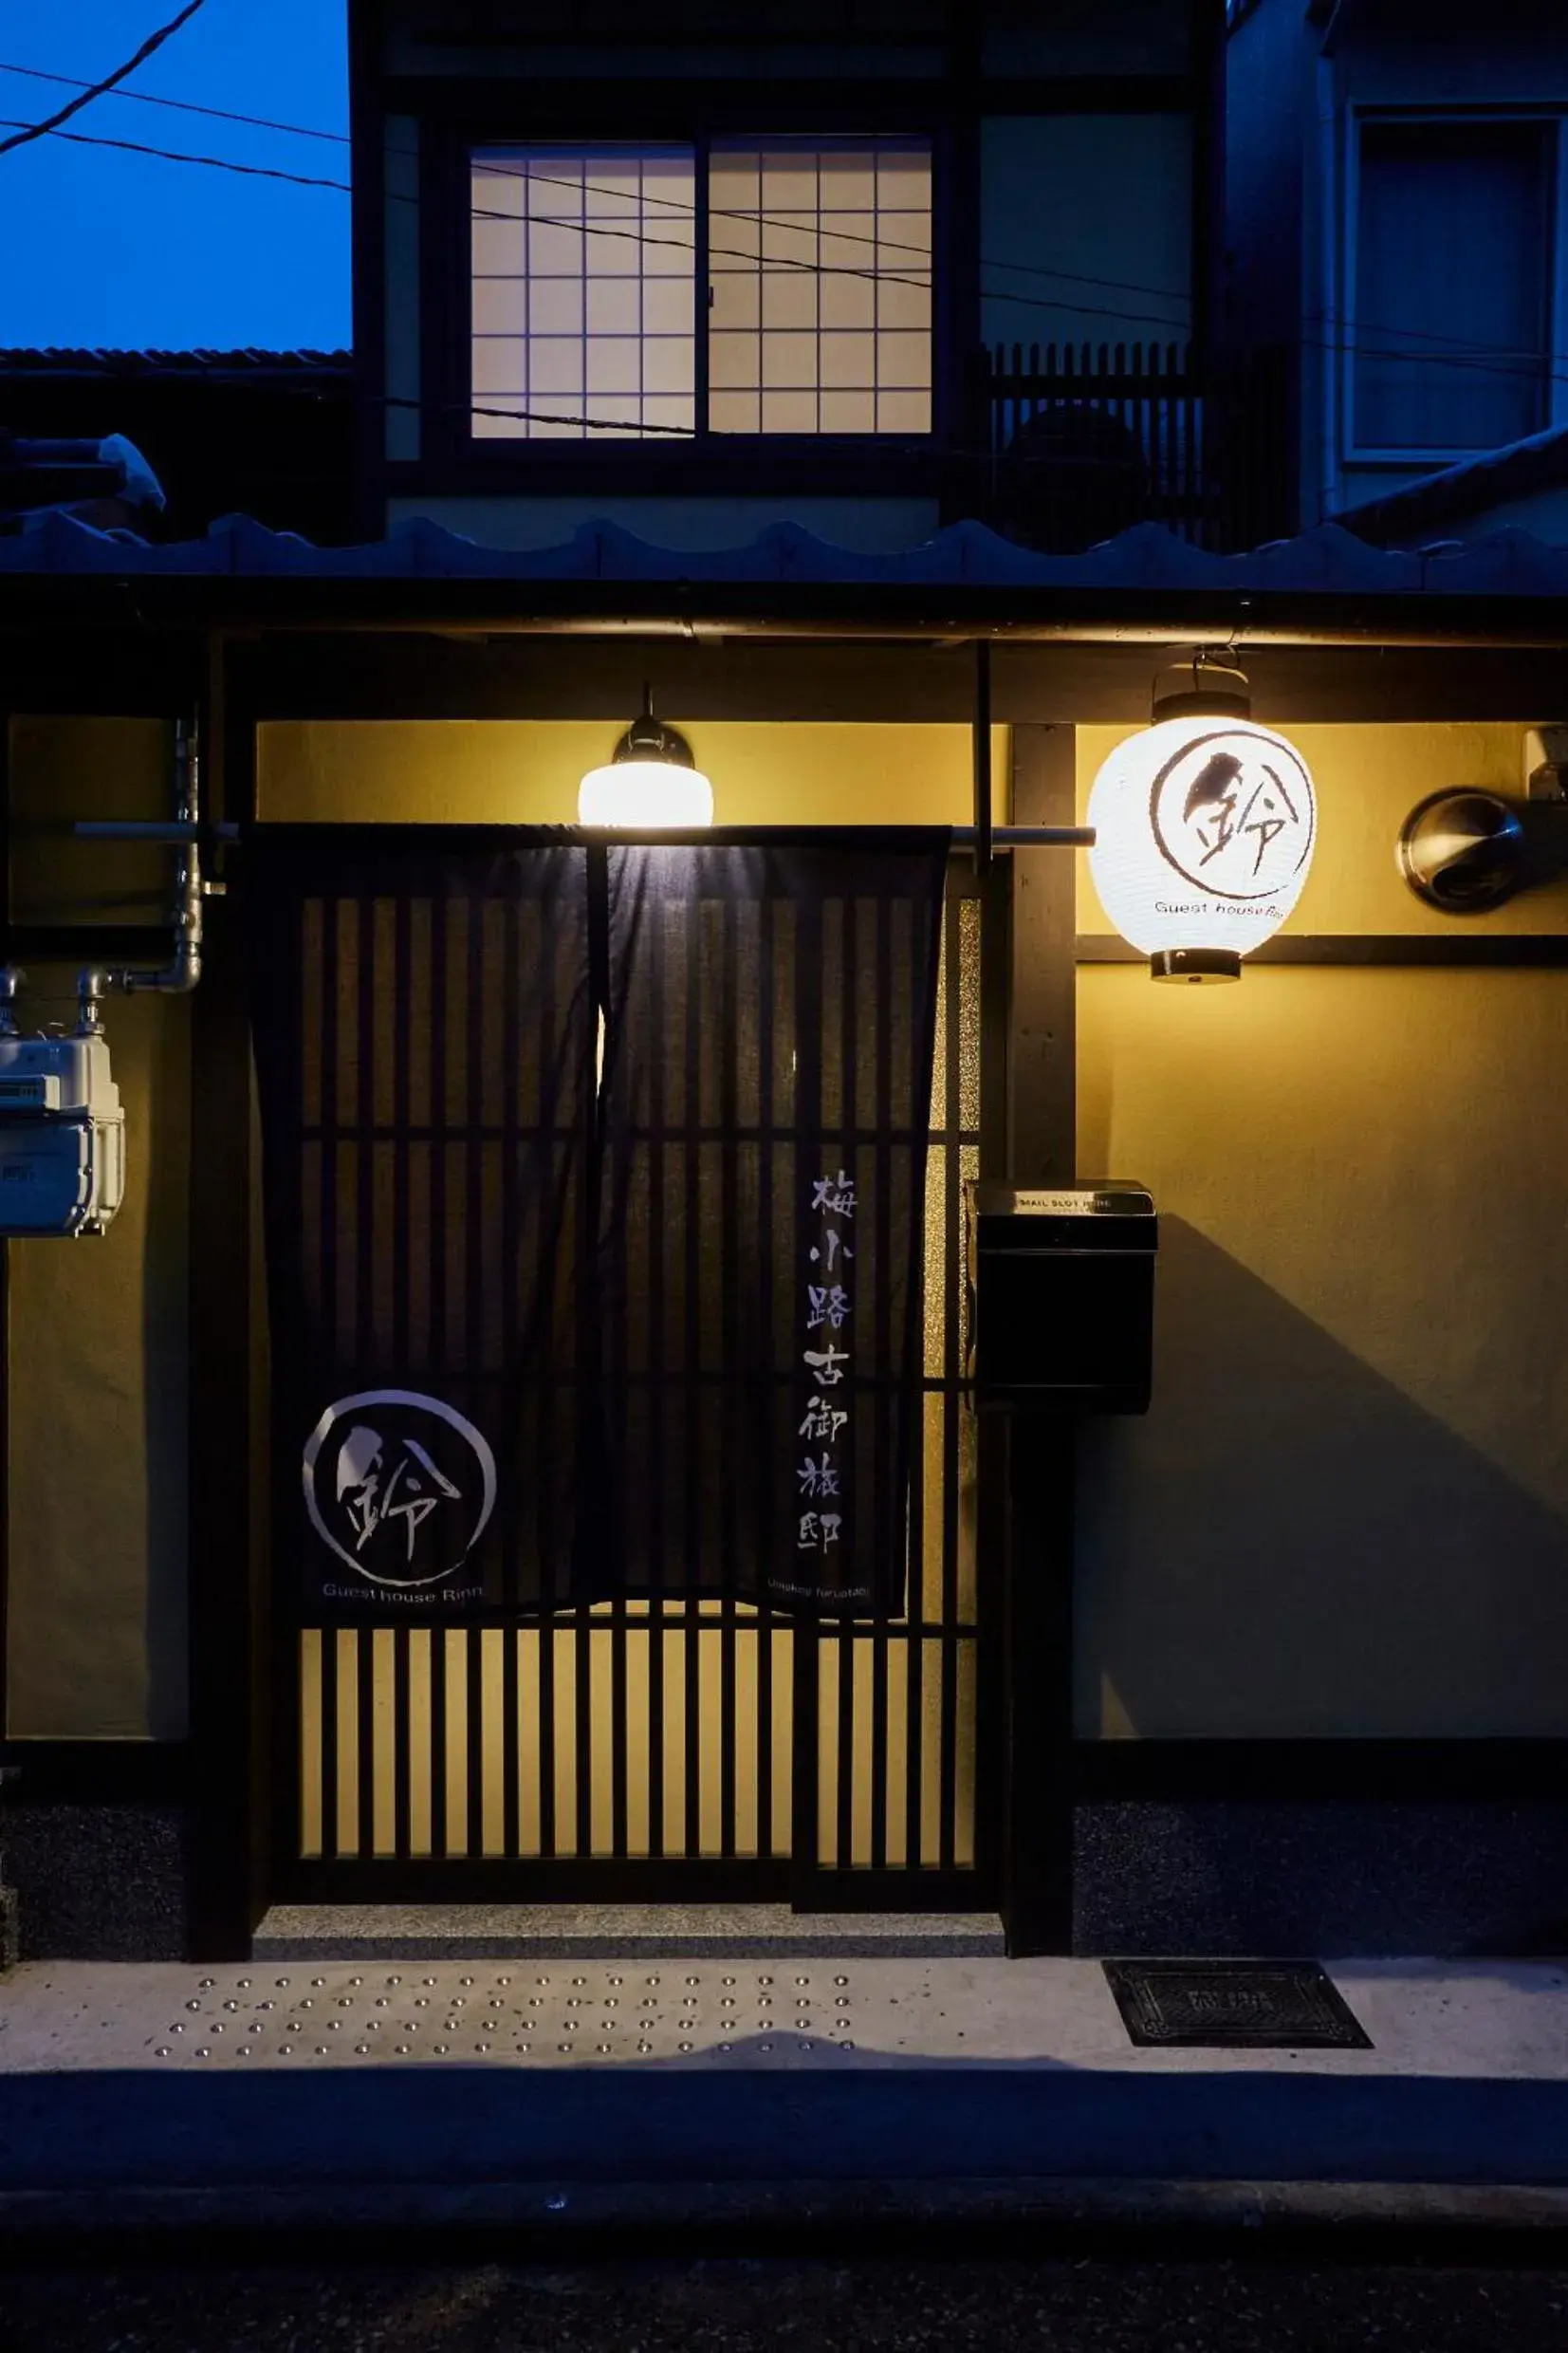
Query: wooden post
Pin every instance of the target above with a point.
(229, 1709)
(1036, 1667)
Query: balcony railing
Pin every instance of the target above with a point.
(1082, 441)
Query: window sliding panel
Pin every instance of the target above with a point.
(583, 293)
(821, 267)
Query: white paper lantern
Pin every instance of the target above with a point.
(1204, 826)
(650, 781)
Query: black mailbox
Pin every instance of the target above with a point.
(1061, 1297)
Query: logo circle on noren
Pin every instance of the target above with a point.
(398, 1485)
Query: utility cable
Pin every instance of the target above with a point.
(1486, 358)
(98, 89)
(1488, 353)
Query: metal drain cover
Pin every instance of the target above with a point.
(1234, 2006)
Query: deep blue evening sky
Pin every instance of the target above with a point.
(101, 248)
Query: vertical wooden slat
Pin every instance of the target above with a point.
(420, 1754)
(353, 1741)
(511, 1249)
(724, 1015)
(949, 1013)
(461, 1791)
(657, 1363)
(310, 1839)
(691, 1097)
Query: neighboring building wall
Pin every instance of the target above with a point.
(1086, 229)
(1295, 126)
(1346, 1515)
(96, 1372)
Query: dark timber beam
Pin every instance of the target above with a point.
(1036, 1674)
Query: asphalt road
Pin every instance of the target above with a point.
(788, 2306)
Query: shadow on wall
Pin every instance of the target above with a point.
(1288, 1546)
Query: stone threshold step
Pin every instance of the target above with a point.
(610, 1932)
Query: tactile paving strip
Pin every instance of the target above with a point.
(283, 2017)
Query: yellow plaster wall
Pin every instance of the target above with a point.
(1347, 1511)
(95, 1623)
(522, 771)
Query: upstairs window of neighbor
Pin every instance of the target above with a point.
(1451, 299)
(815, 258)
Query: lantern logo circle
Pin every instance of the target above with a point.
(1232, 811)
(398, 1485)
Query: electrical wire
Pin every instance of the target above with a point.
(182, 106)
(1486, 358)
(98, 89)
(1488, 355)
(263, 122)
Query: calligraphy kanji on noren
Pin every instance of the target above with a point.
(828, 1309)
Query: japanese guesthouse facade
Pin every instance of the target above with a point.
(515, 1444)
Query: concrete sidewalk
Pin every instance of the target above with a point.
(765, 2088)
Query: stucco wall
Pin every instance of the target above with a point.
(1086, 227)
(95, 1623)
(1347, 1511)
(96, 1358)
(528, 771)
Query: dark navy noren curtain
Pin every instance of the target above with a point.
(545, 1332)
(764, 1121)
(425, 1049)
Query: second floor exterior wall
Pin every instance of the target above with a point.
(1397, 215)
(719, 275)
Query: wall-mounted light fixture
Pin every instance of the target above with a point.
(1204, 826)
(651, 780)
(1463, 850)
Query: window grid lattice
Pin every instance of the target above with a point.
(820, 296)
(584, 295)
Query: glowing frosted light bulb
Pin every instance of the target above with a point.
(650, 781)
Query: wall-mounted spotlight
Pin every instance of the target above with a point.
(1204, 826)
(652, 780)
(1463, 850)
